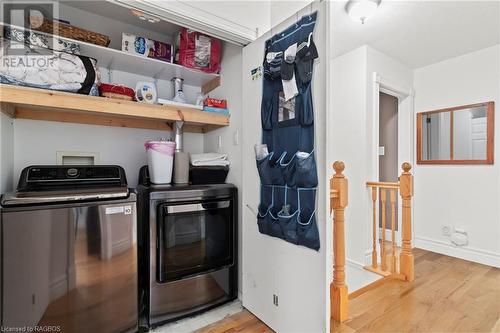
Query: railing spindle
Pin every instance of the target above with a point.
(382, 244)
(393, 230)
(374, 207)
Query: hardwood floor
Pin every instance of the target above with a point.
(448, 295)
(243, 322)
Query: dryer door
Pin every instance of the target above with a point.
(194, 238)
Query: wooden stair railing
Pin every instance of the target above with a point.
(406, 260)
(338, 203)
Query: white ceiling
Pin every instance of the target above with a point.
(419, 33)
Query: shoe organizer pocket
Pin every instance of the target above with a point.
(288, 224)
(272, 65)
(287, 217)
(300, 170)
(297, 201)
(266, 113)
(307, 230)
(306, 114)
(279, 202)
(266, 201)
(270, 170)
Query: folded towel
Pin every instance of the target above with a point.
(209, 159)
(216, 110)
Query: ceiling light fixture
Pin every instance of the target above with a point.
(361, 10)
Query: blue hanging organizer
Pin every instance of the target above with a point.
(288, 173)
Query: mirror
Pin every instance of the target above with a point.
(458, 135)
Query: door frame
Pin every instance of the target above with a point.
(405, 95)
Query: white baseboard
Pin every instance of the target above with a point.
(354, 263)
(58, 286)
(467, 253)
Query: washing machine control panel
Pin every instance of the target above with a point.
(50, 176)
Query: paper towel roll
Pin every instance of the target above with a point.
(181, 168)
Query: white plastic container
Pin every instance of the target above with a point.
(160, 161)
(145, 92)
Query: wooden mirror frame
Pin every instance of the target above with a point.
(490, 127)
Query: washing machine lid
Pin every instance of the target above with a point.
(63, 196)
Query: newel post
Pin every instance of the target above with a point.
(406, 257)
(338, 201)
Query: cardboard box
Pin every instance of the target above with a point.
(147, 47)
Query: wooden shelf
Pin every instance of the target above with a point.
(39, 104)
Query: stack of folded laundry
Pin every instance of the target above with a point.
(209, 168)
(216, 106)
(209, 159)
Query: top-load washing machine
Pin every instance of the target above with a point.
(69, 255)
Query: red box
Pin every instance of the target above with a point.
(215, 103)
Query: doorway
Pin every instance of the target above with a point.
(388, 153)
(401, 95)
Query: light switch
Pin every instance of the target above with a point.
(381, 151)
(236, 138)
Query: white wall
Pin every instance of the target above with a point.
(237, 21)
(230, 137)
(297, 275)
(353, 137)
(253, 15)
(462, 196)
(347, 139)
(37, 142)
(283, 9)
(6, 152)
(260, 15)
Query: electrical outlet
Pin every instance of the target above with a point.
(446, 230)
(275, 300)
